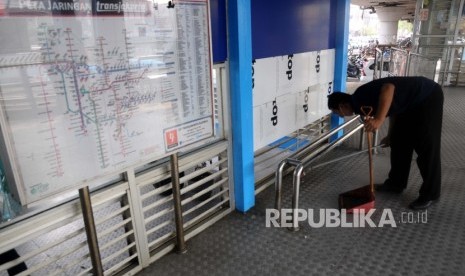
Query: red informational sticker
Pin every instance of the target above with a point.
(171, 138)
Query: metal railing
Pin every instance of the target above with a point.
(420, 65)
(450, 69)
(400, 62)
(306, 157)
(445, 70)
(126, 226)
(290, 146)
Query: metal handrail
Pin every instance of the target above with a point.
(294, 158)
(330, 133)
(298, 173)
(299, 165)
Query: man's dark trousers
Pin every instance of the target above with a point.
(419, 130)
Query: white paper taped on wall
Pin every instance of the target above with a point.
(290, 92)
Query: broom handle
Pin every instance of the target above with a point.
(366, 111)
(370, 159)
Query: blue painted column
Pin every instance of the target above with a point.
(240, 76)
(342, 15)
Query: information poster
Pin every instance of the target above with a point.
(89, 88)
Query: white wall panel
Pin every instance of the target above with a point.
(293, 73)
(265, 79)
(282, 86)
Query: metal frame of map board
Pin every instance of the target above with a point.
(92, 88)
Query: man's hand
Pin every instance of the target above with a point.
(373, 124)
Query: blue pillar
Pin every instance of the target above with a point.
(342, 15)
(240, 76)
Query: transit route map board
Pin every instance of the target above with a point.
(90, 88)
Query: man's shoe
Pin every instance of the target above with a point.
(420, 204)
(386, 188)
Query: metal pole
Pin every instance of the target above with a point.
(362, 139)
(181, 245)
(460, 16)
(295, 196)
(381, 63)
(278, 184)
(407, 70)
(342, 158)
(299, 169)
(416, 27)
(460, 66)
(330, 146)
(330, 133)
(375, 141)
(444, 68)
(91, 233)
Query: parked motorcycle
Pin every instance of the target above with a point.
(355, 66)
(353, 71)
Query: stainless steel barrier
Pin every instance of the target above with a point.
(303, 159)
(449, 65)
(405, 63)
(398, 62)
(420, 65)
(265, 159)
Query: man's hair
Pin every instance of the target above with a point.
(337, 98)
